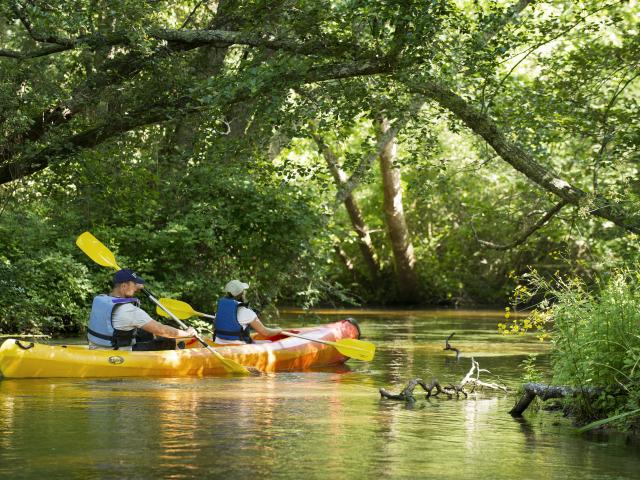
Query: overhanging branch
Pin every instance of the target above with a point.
(484, 126)
(194, 38)
(70, 145)
(529, 231)
(26, 165)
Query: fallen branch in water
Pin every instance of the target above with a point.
(545, 392)
(476, 382)
(447, 345)
(407, 393)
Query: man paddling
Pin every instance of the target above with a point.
(234, 318)
(117, 322)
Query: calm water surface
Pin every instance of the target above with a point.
(321, 424)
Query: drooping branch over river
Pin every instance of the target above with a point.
(321, 58)
(186, 124)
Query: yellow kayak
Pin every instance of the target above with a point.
(20, 359)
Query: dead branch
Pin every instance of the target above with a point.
(450, 390)
(448, 346)
(528, 232)
(476, 382)
(545, 392)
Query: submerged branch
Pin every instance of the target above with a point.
(450, 390)
(447, 346)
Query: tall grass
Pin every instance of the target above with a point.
(595, 334)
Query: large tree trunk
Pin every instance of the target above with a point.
(403, 255)
(355, 215)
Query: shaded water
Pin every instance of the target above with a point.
(321, 424)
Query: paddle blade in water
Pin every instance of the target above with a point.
(231, 366)
(356, 349)
(96, 251)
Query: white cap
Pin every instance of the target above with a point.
(236, 287)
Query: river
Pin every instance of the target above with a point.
(329, 424)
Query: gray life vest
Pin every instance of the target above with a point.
(101, 331)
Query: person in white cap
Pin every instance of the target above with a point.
(234, 318)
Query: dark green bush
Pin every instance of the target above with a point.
(44, 294)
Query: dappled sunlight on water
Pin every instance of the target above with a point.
(319, 424)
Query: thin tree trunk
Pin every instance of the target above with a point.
(355, 215)
(403, 254)
(346, 261)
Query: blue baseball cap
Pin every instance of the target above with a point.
(126, 275)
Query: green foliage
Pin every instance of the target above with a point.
(595, 340)
(215, 175)
(187, 232)
(595, 334)
(48, 294)
(531, 373)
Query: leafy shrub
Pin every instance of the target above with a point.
(48, 294)
(531, 372)
(596, 340)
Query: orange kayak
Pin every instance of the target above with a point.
(20, 359)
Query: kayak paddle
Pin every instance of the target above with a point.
(349, 347)
(100, 254)
(181, 309)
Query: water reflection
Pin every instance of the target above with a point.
(321, 424)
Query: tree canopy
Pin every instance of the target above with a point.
(204, 140)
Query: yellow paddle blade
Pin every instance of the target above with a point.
(229, 365)
(180, 309)
(100, 254)
(357, 349)
(96, 251)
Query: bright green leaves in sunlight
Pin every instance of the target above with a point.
(209, 143)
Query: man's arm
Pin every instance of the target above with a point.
(166, 331)
(129, 316)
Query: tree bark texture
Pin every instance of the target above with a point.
(403, 254)
(355, 215)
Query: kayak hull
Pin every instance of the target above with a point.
(19, 359)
